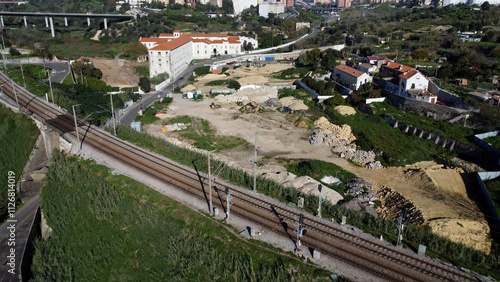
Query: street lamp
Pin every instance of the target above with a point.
(210, 182)
(76, 127)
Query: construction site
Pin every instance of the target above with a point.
(437, 195)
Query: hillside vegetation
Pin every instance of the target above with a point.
(109, 227)
(18, 135)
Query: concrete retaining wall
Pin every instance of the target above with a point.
(445, 96)
(491, 207)
(478, 140)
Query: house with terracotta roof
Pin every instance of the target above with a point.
(350, 77)
(408, 81)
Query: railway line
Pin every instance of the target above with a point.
(384, 261)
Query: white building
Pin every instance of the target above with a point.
(171, 57)
(351, 77)
(267, 7)
(367, 68)
(203, 46)
(408, 82)
(240, 5)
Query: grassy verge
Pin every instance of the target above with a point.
(437, 246)
(17, 138)
(126, 231)
(33, 75)
(149, 114)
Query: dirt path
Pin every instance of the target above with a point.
(439, 193)
(122, 75)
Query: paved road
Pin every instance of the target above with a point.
(24, 217)
(61, 71)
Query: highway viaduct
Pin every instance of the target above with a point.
(50, 22)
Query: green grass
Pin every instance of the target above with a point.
(32, 76)
(453, 131)
(291, 73)
(493, 188)
(493, 141)
(18, 135)
(126, 231)
(205, 137)
(142, 71)
(184, 119)
(149, 114)
(399, 148)
(202, 71)
(219, 82)
(68, 80)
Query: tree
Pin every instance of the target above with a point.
(144, 84)
(14, 52)
(234, 84)
(135, 48)
(420, 54)
(227, 6)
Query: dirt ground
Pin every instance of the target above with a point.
(438, 193)
(120, 73)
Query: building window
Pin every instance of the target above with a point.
(159, 53)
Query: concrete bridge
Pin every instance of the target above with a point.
(49, 18)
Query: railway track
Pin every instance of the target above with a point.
(370, 255)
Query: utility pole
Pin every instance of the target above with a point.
(228, 201)
(320, 200)
(76, 128)
(401, 225)
(300, 231)
(22, 73)
(50, 84)
(255, 167)
(210, 182)
(14, 87)
(112, 112)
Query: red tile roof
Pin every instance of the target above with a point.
(409, 74)
(149, 39)
(172, 44)
(398, 67)
(166, 35)
(366, 65)
(207, 34)
(377, 58)
(349, 70)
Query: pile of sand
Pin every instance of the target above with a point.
(345, 110)
(293, 104)
(343, 132)
(188, 87)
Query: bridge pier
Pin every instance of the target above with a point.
(52, 27)
(46, 22)
(88, 21)
(1, 21)
(65, 21)
(25, 21)
(105, 23)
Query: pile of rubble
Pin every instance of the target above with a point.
(342, 132)
(259, 94)
(339, 138)
(251, 107)
(364, 158)
(362, 198)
